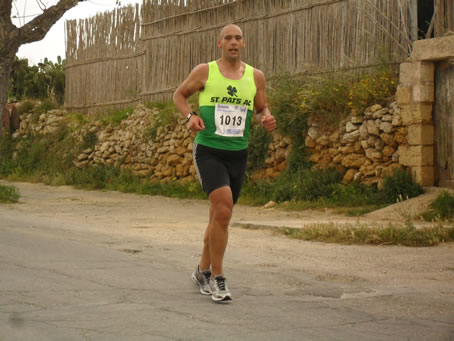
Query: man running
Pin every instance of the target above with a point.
(229, 92)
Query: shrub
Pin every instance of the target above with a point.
(354, 194)
(399, 185)
(373, 88)
(330, 98)
(324, 99)
(441, 208)
(8, 194)
(259, 139)
(303, 185)
(42, 108)
(286, 106)
(90, 140)
(7, 147)
(25, 107)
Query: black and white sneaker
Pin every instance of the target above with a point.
(219, 289)
(202, 279)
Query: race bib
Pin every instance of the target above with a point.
(230, 120)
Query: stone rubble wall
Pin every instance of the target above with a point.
(364, 149)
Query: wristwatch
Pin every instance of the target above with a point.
(190, 115)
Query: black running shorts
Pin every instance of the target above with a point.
(217, 168)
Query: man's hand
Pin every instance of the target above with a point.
(196, 123)
(268, 122)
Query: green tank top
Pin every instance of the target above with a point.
(226, 108)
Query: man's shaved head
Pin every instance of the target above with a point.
(228, 28)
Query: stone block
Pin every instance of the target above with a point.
(388, 139)
(372, 128)
(416, 156)
(423, 92)
(373, 154)
(407, 73)
(388, 151)
(420, 134)
(397, 120)
(403, 94)
(349, 176)
(386, 127)
(309, 141)
(416, 113)
(400, 136)
(423, 175)
(416, 72)
(433, 49)
(353, 161)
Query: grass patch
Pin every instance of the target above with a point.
(442, 208)
(307, 188)
(390, 235)
(358, 211)
(8, 194)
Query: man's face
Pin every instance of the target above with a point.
(231, 41)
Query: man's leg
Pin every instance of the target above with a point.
(217, 231)
(205, 261)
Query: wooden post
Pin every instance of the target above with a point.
(413, 20)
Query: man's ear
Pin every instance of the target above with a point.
(220, 43)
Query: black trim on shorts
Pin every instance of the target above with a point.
(217, 168)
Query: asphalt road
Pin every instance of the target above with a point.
(79, 265)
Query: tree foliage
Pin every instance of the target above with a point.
(45, 80)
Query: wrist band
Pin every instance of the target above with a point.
(190, 115)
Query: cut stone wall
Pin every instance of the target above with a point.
(415, 96)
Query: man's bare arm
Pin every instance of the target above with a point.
(260, 102)
(195, 82)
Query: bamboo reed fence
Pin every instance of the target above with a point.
(104, 60)
(444, 17)
(134, 55)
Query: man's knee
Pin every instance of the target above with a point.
(221, 205)
(223, 213)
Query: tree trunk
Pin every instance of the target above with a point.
(11, 38)
(5, 72)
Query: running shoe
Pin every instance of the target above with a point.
(202, 279)
(219, 289)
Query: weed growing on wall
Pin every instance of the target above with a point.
(328, 99)
(25, 107)
(292, 120)
(375, 88)
(113, 116)
(42, 108)
(167, 116)
(259, 139)
(286, 106)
